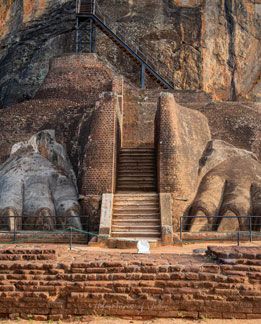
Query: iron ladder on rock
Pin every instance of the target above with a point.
(89, 16)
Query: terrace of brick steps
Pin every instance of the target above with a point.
(52, 283)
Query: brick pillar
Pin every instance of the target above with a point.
(100, 157)
(165, 146)
(99, 164)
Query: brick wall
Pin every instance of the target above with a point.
(77, 77)
(138, 117)
(165, 285)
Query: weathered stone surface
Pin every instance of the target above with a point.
(37, 182)
(207, 178)
(182, 135)
(230, 186)
(212, 45)
(237, 123)
(168, 32)
(32, 33)
(231, 49)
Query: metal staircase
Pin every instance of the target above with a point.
(89, 16)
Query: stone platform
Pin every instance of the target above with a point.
(50, 282)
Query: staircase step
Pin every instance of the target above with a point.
(136, 169)
(129, 183)
(128, 160)
(136, 166)
(141, 195)
(139, 184)
(138, 214)
(136, 203)
(137, 172)
(136, 178)
(135, 200)
(136, 188)
(151, 234)
(137, 149)
(137, 156)
(131, 163)
(145, 207)
(136, 228)
(147, 152)
(142, 184)
(135, 213)
(131, 175)
(130, 221)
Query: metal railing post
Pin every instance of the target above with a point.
(181, 228)
(93, 7)
(142, 76)
(92, 37)
(77, 35)
(250, 229)
(90, 8)
(238, 238)
(70, 238)
(14, 234)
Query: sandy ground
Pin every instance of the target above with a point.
(114, 320)
(185, 248)
(180, 254)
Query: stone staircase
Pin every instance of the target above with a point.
(136, 210)
(137, 170)
(136, 215)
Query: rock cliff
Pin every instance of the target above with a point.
(212, 45)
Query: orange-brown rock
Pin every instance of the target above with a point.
(206, 178)
(211, 45)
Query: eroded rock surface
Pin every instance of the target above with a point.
(37, 182)
(212, 45)
(208, 178)
(230, 186)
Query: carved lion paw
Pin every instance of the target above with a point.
(230, 186)
(37, 182)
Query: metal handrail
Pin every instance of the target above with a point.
(158, 66)
(139, 49)
(250, 227)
